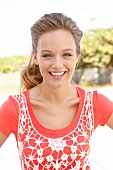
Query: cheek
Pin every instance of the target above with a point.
(71, 64)
(43, 67)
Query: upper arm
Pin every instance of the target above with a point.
(110, 122)
(2, 138)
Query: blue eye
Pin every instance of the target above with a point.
(67, 54)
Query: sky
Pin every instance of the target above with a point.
(17, 16)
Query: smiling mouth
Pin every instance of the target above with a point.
(57, 73)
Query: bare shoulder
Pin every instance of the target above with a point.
(3, 138)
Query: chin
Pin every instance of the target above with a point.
(58, 85)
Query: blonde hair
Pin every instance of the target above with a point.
(31, 76)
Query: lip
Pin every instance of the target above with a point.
(56, 71)
(57, 77)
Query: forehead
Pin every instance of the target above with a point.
(58, 37)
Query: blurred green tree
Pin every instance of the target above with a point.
(97, 49)
(12, 64)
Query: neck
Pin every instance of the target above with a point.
(58, 95)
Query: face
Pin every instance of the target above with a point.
(56, 57)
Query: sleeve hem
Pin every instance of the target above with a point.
(107, 118)
(4, 131)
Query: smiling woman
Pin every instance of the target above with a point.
(53, 119)
(56, 56)
(43, 29)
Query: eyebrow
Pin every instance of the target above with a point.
(68, 49)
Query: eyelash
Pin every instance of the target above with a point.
(49, 55)
(67, 54)
(46, 55)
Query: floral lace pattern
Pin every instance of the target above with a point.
(70, 152)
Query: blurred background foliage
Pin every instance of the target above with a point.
(96, 51)
(12, 64)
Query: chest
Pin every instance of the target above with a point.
(55, 117)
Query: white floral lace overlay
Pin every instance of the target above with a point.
(70, 152)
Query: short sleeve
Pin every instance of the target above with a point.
(9, 116)
(103, 108)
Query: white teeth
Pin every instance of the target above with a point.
(57, 74)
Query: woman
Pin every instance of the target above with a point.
(52, 119)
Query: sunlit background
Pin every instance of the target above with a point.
(16, 18)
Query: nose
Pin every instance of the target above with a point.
(57, 62)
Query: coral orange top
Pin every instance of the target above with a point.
(42, 148)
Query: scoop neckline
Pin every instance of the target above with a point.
(57, 133)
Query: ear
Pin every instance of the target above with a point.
(77, 58)
(34, 57)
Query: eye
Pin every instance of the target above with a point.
(46, 55)
(67, 54)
